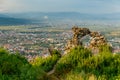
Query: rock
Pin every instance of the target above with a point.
(96, 39)
(78, 33)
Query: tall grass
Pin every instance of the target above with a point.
(102, 66)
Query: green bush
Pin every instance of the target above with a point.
(10, 63)
(16, 67)
(71, 60)
(103, 66)
(48, 63)
(79, 63)
(32, 73)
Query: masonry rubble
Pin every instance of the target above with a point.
(96, 39)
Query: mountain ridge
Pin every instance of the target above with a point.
(70, 15)
(7, 20)
(54, 17)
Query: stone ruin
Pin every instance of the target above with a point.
(96, 39)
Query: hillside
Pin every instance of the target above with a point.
(79, 63)
(57, 18)
(6, 20)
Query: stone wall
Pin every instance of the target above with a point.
(96, 39)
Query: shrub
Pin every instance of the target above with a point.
(48, 63)
(104, 66)
(16, 67)
(71, 60)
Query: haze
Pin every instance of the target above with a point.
(82, 6)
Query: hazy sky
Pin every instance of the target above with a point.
(83, 6)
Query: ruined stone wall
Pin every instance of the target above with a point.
(96, 39)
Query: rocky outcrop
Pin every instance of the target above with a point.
(96, 39)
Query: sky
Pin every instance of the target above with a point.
(83, 6)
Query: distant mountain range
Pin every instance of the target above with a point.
(7, 20)
(40, 17)
(69, 15)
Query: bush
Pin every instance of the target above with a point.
(71, 60)
(103, 66)
(32, 73)
(48, 63)
(16, 67)
(79, 63)
(10, 63)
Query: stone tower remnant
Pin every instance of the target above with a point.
(96, 39)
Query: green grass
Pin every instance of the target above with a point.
(78, 64)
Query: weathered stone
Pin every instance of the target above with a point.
(96, 39)
(78, 33)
